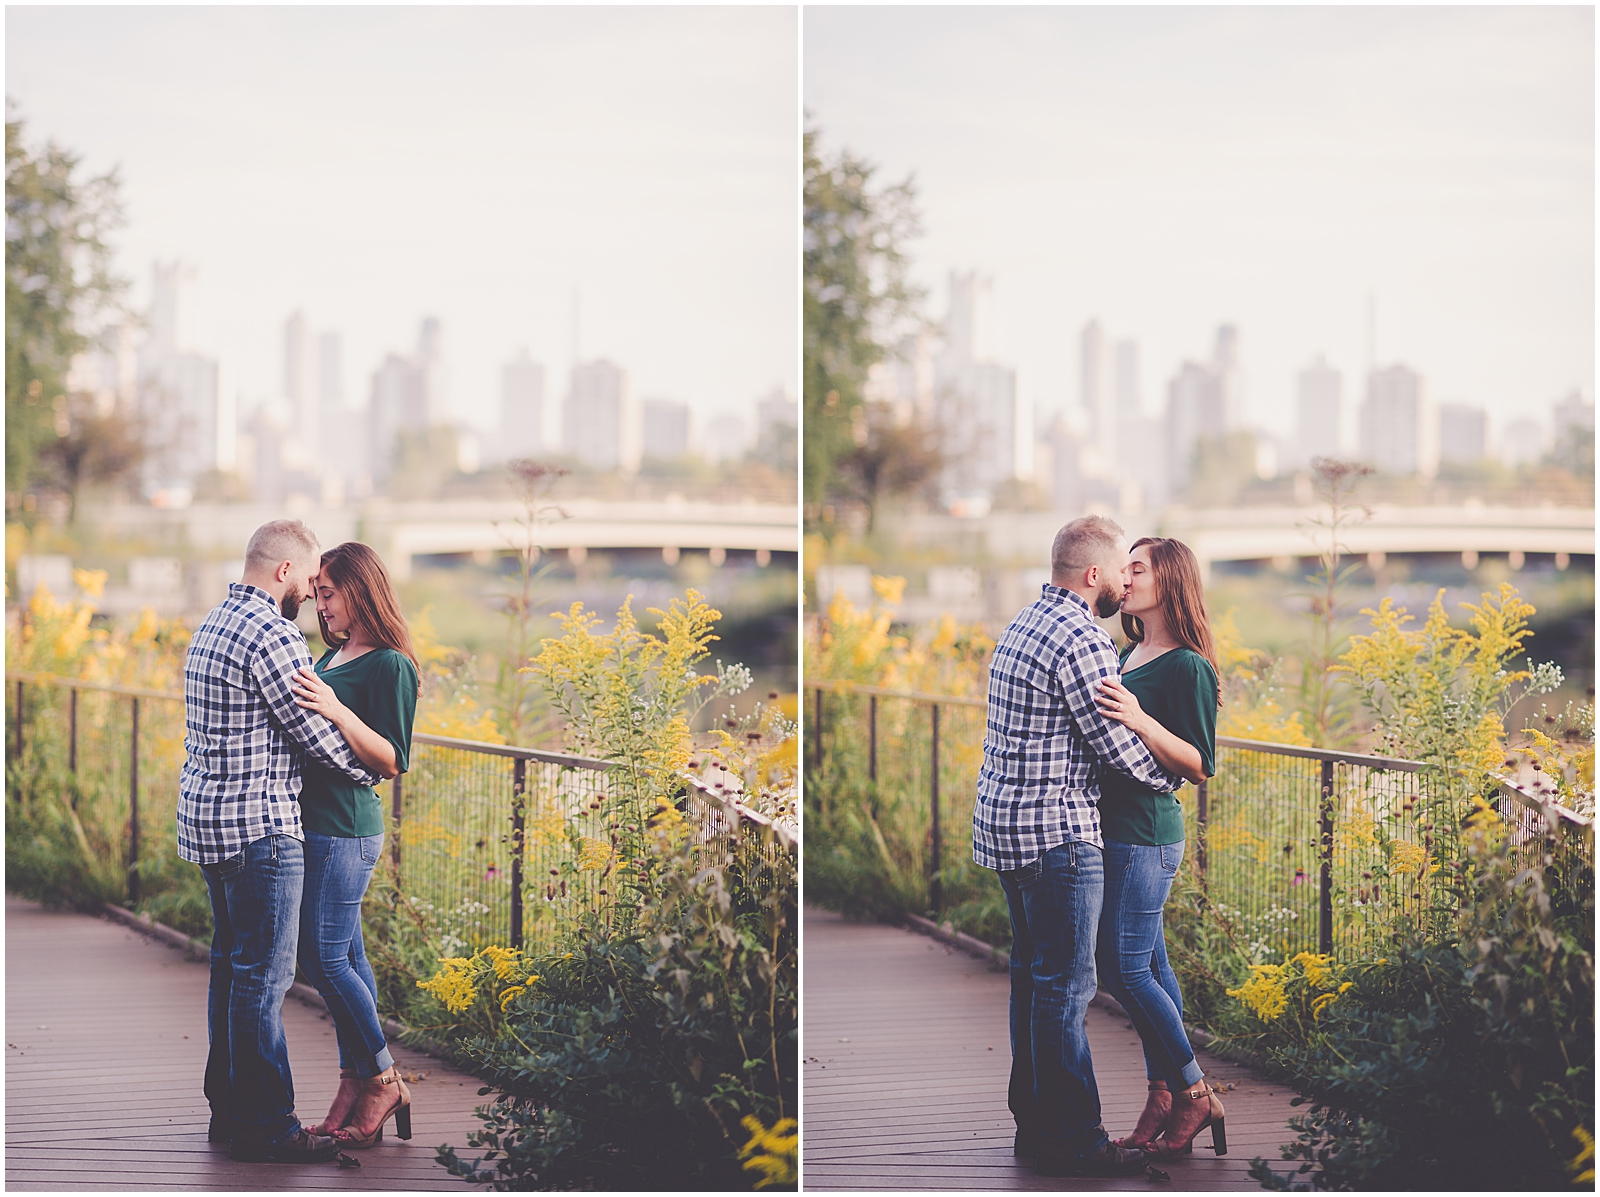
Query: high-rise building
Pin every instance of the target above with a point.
(1230, 377)
(1522, 443)
(601, 417)
(399, 401)
(778, 428)
(1463, 432)
(1399, 433)
(987, 436)
(1097, 394)
(179, 395)
(430, 359)
(1573, 416)
(665, 427)
(1196, 407)
(521, 407)
(1319, 406)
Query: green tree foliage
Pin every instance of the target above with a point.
(59, 286)
(857, 302)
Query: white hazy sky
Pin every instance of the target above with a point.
(1168, 169)
(376, 165)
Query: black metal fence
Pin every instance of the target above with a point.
(481, 838)
(1303, 849)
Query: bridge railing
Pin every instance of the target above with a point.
(1304, 849)
(478, 833)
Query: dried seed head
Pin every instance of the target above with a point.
(772, 695)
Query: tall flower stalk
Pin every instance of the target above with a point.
(1325, 698)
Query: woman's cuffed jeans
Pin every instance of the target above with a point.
(332, 954)
(1132, 956)
(1055, 910)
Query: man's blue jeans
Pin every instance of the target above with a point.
(1133, 956)
(255, 905)
(331, 950)
(1055, 911)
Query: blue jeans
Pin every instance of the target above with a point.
(331, 951)
(255, 907)
(1055, 910)
(1133, 956)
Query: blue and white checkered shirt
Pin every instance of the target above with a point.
(1047, 741)
(246, 737)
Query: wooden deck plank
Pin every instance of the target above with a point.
(906, 1055)
(105, 1053)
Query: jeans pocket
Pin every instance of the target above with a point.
(1171, 857)
(224, 869)
(1027, 874)
(371, 846)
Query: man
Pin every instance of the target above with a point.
(1037, 823)
(239, 820)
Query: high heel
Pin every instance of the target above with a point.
(1144, 1132)
(1166, 1147)
(326, 1127)
(401, 1112)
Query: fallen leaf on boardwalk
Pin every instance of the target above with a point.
(1156, 1173)
(413, 1077)
(348, 1161)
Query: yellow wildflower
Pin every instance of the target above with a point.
(595, 855)
(504, 960)
(452, 984)
(508, 995)
(1319, 970)
(774, 1153)
(1263, 992)
(1322, 1002)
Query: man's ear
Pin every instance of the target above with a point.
(285, 568)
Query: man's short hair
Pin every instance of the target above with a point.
(1088, 540)
(278, 541)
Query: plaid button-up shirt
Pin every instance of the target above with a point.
(1047, 741)
(246, 737)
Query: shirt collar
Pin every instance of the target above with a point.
(1060, 594)
(248, 593)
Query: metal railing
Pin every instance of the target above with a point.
(1302, 848)
(476, 831)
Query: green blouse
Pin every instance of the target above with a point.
(381, 688)
(1178, 689)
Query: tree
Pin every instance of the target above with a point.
(857, 302)
(888, 456)
(59, 287)
(92, 443)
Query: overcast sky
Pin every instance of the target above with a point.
(1166, 170)
(373, 166)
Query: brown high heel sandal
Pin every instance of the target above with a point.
(1166, 1147)
(322, 1128)
(402, 1118)
(1151, 1119)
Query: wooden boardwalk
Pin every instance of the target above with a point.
(105, 1052)
(906, 1056)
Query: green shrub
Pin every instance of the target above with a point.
(633, 1058)
(1464, 1064)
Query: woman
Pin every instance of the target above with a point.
(1167, 696)
(366, 684)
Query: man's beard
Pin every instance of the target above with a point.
(289, 604)
(1108, 601)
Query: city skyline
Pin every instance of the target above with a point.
(371, 185)
(1120, 165)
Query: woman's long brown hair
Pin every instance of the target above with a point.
(1182, 597)
(358, 574)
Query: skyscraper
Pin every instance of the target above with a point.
(1196, 407)
(986, 438)
(665, 427)
(521, 407)
(1399, 432)
(1097, 394)
(179, 395)
(1319, 403)
(1463, 432)
(601, 417)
